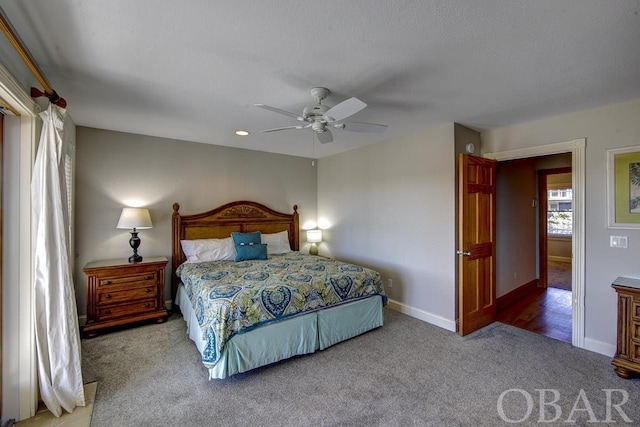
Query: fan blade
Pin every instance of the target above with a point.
(283, 128)
(343, 110)
(279, 111)
(325, 136)
(362, 127)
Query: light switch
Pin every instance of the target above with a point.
(619, 242)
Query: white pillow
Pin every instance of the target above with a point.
(277, 243)
(201, 250)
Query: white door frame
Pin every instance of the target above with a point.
(20, 381)
(577, 148)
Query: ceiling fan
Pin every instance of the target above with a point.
(320, 117)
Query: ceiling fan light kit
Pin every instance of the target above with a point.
(318, 116)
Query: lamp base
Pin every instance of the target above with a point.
(135, 244)
(313, 250)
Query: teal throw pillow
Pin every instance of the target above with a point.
(246, 238)
(245, 252)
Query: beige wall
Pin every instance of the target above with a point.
(604, 128)
(516, 232)
(391, 206)
(559, 249)
(116, 169)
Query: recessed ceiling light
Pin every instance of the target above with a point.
(242, 132)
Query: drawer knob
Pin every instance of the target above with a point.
(107, 311)
(107, 282)
(147, 277)
(147, 290)
(148, 305)
(107, 296)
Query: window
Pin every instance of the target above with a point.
(559, 211)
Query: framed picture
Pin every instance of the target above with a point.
(623, 187)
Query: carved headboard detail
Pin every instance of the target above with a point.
(242, 216)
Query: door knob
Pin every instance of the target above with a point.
(463, 253)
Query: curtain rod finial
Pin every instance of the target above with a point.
(53, 98)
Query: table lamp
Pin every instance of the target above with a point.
(135, 218)
(313, 237)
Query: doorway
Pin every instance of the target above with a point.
(555, 226)
(546, 308)
(514, 278)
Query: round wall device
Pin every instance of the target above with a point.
(470, 148)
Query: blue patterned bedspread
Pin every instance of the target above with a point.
(233, 297)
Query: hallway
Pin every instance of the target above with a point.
(546, 311)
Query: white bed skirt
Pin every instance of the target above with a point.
(290, 337)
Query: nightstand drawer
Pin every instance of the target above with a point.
(114, 311)
(635, 352)
(635, 309)
(111, 280)
(107, 296)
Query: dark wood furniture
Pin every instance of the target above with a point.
(120, 293)
(627, 358)
(241, 216)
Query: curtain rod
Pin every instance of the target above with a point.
(51, 94)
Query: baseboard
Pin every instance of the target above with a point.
(515, 295)
(559, 258)
(599, 347)
(425, 316)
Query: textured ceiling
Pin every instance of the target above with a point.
(192, 70)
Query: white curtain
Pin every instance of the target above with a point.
(56, 326)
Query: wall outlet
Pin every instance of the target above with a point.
(619, 241)
(390, 283)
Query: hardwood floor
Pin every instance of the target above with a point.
(545, 311)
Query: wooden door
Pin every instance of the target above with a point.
(476, 243)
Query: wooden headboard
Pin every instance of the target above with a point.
(218, 223)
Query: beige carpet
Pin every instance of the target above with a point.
(406, 373)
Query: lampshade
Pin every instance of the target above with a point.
(314, 236)
(135, 218)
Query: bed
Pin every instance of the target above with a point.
(246, 312)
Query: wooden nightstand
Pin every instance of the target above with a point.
(627, 358)
(120, 293)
